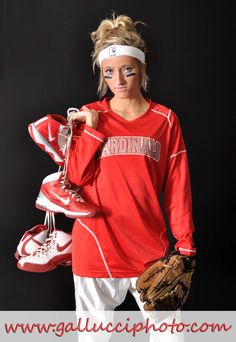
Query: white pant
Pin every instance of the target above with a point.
(105, 294)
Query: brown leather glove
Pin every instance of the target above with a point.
(165, 284)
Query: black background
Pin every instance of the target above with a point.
(46, 68)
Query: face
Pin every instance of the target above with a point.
(122, 75)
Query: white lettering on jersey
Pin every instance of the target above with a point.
(130, 145)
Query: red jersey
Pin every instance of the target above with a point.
(122, 167)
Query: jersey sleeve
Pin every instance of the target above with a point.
(82, 165)
(177, 191)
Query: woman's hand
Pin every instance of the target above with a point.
(90, 117)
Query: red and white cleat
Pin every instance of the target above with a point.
(55, 251)
(60, 196)
(51, 134)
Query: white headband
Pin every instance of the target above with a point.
(121, 50)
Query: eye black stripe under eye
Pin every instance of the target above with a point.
(131, 74)
(108, 77)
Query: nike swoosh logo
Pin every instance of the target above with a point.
(64, 201)
(50, 137)
(62, 248)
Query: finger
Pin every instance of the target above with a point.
(79, 117)
(85, 108)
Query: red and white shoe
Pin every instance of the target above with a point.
(55, 251)
(59, 196)
(31, 240)
(51, 134)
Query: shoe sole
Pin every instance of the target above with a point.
(43, 203)
(35, 268)
(66, 264)
(39, 139)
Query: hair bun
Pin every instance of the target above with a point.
(119, 30)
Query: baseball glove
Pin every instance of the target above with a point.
(165, 284)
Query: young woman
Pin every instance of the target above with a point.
(129, 150)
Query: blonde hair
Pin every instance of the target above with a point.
(119, 30)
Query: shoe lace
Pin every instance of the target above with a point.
(72, 190)
(67, 146)
(47, 246)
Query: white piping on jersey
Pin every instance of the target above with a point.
(166, 116)
(163, 241)
(98, 244)
(92, 135)
(169, 114)
(173, 155)
(188, 250)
